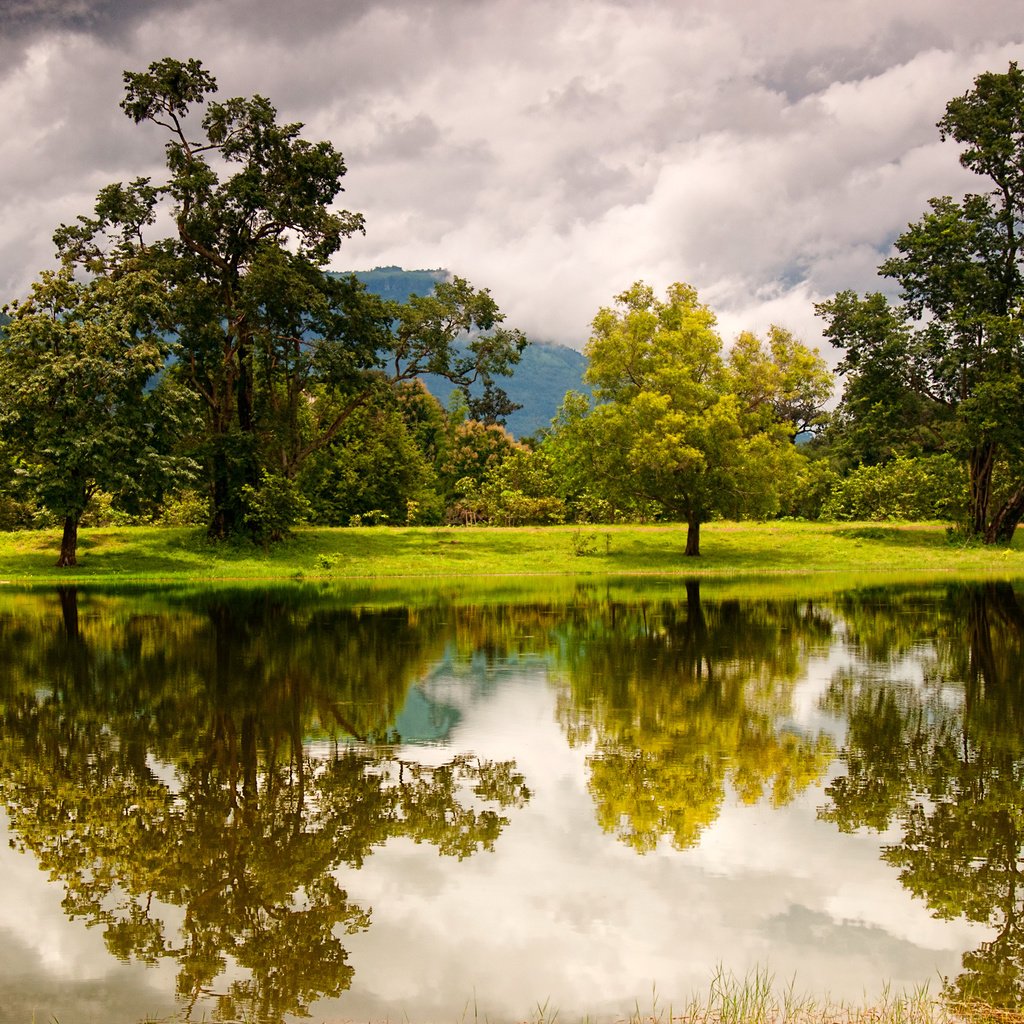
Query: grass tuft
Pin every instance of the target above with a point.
(755, 999)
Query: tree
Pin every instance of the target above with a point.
(953, 352)
(668, 428)
(258, 324)
(781, 382)
(374, 465)
(76, 407)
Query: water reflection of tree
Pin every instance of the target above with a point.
(944, 761)
(164, 767)
(679, 698)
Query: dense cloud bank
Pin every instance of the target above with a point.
(767, 154)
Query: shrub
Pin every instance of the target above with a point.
(273, 508)
(929, 487)
(185, 508)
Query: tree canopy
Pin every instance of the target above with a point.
(946, 367)
(78, 409)
(278, 354)
(674, 426)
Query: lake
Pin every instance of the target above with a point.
(501, 801)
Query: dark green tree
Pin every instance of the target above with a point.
(261, 331)
(949, 362)
(78, 411)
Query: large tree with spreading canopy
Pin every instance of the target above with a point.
(675, 427)
(278, 353)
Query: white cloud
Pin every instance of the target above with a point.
(767, 155)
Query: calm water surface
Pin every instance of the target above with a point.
(257, 804)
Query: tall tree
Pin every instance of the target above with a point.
(257, 321)
(955, 348)
(668, 428)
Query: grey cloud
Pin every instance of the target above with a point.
(589, 186)
(577, 99)
(26, 18)
(553, 154)
(406, 140)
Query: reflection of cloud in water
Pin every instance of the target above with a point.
(561, 911)
(65, 964)
(31, 915)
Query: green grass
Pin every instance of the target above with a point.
(177, 554)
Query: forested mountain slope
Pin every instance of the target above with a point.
(545, 373)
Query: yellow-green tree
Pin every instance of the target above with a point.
(669, 430)
(780, 380)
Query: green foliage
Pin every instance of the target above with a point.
(782, 382)
(274, 507)
(185, 508)
(102, 510)
(669, 428)
(77, 412)
(945, 370)
(520, 489)
(373, 464)
(278, 354)
(905, 489)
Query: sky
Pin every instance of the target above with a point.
(765, 152)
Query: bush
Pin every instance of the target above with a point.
(16, 514)
(930, 487)
(273, 508)
(101, 511)
(186, 508)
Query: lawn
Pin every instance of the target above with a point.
(179, 554)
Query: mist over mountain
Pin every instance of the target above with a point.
(545, 372)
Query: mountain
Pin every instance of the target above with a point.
(397, 284)
(544, 374)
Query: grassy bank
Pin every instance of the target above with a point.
(177, 554)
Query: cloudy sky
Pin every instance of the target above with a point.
(765, 152)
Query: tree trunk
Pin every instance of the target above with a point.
(693, 537)
(69, 543)
(980, 463)
(1004, 522)
(232, 466)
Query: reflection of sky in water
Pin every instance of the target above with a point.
(560, 911)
